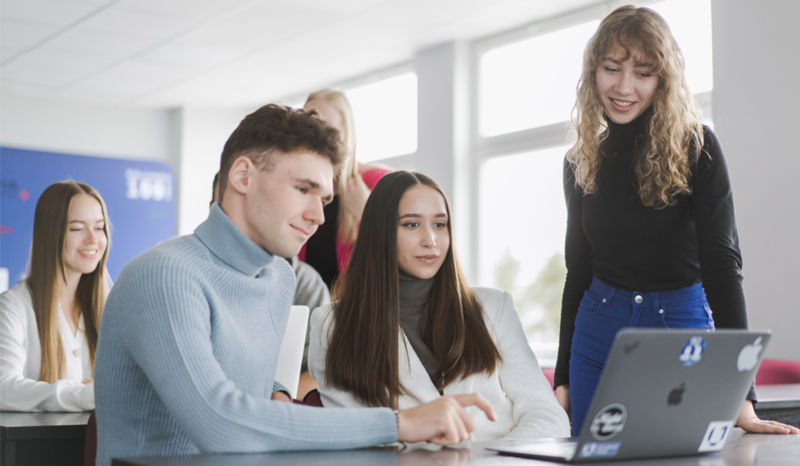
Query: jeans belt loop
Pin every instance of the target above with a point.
(609, 296)
(656, 305)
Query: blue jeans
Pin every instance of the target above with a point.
(605, 310)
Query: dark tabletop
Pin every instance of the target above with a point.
(743, 449)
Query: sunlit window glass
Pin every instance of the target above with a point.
(522, 228)
(690, 22)
(531, 83)
(386, 117)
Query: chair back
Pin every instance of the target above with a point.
(777, 372)
(90, 446)
(290, 357)
(312, 398)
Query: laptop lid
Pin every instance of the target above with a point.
(662, 393)
(669, 393)
(290, 357)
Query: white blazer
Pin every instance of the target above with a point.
(522, 398)
(21, 355)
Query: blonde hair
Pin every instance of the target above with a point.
(50, 225)
(348, 223)
(674, 132)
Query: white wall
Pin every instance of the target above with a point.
(63, 126)
(203, 132)
(756, 99)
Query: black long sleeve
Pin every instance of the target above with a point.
(613, 236)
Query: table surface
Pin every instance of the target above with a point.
(10, 419)
(743, 449)
(787, 395)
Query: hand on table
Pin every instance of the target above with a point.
(749, 422)
(444, 421)
(280, 396)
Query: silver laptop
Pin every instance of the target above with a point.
(662, 393)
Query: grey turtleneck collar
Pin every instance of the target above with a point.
(414, 293)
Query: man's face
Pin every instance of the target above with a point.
(284, 208)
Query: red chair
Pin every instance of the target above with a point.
(777, 372)
(90, 446)
(312, 398)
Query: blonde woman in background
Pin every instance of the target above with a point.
(329, 249)
(49, 322)
(651, 235)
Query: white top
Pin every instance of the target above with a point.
(522, 398)
(21, 354)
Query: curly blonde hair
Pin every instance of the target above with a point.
(675, 134)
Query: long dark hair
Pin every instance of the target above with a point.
(362, 353)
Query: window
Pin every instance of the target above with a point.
(522, 228)
(531, 83)
(386, 117)
(690, 23)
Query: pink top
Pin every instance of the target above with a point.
(343, 249)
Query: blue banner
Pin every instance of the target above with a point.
(139, 197)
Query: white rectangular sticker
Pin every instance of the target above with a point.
(716, 435)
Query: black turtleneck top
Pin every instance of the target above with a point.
(611, 235)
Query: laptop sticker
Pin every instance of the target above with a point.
(693, 351)
(609, 421)
(599, 450)
(748, 356)
(716, 435)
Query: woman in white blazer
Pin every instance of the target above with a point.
(49, 322)
(405, 327)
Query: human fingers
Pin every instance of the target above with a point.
(88, 381)
(475, 399)
(449, 435)
(756, 425)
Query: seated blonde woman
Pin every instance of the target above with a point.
(49, 322)
(406, 328)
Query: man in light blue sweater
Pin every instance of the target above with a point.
(191, 331)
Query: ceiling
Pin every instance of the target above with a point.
(171, 53)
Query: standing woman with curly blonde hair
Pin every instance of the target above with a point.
(651, 235)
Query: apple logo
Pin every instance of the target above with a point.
(676, 395)
(748, 357)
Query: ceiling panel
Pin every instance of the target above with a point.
(48, 12)
(56, 69)
(17, 35)
(260, 25)
(232, 52)
(97, 44)
(119, 22)
(190, 9)
(190, 56)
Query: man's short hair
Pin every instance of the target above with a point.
(275, 129)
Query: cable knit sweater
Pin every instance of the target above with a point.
(188, 347)
(522, 398)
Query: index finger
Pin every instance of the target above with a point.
(475, 399)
